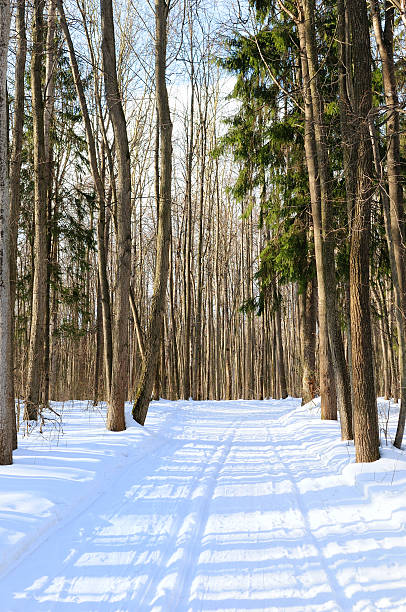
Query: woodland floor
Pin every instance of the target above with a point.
(212, 506)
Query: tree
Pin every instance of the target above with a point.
(322, 216)
(6, 415)
(15, 172)
(396, 228)
(366, 434)
(101, 196)
(153, 338)
(119, 378)
(39, 287)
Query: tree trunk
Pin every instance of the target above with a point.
(345, 100)
(307, 307)
(327, 383)
(187, 384)
(99, 185)
(218, 364)
(15, 171)
(173, 326)
(199, 297)
(119, 378)
(327, 247)
(396, 238)
(37, 335)
(6, 414)
(48, 119)
(137, 324)
(153, 339)
(280, 350)
(99, 342)
(366, 434)
(105, 296)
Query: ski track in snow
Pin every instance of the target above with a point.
(215, 506)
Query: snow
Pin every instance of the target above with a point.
(213, 506)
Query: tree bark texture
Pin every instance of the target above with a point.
(307, 307)
(384, 39)
(153, 339)
(49, 102)
(15, 170)
(119, 378)
(366, 434)
(100, 190)
(39, 289)
(342, 378)
(327, 381)
(6, 414)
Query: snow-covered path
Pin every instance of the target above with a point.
(232, 506)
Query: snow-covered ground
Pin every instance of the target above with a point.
(212, 506)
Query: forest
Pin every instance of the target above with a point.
(202, 305)
(202, 200)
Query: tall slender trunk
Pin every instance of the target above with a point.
(307, 308)
(15, 172)
(345, 101)
(137, 324)
(218, 364)
(6, 414)
(366, 434)
(280, 351)
(37, 335)
(327, 247)
(327, 382)
(48, 119)
(99, 343)
(396, 238)
(173, 326)
(102, 245)
(153, 339)
(381, 306)
(99, 186)
(199, 297)
(119, 378)
(187, 384)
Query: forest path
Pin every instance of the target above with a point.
(232, 509)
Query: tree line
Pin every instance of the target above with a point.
(159, 240)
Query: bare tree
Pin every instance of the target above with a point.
(119, 379)
(100, 190)
(153, 338)
(15, 169)
(396, 233)
(6, 429)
